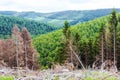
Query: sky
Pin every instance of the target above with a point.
(56, 5)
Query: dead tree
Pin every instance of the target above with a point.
(29, 51)
(16, 35)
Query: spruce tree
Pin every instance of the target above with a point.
(114, 23)
(102, 43)
(18, 40)
(30, 58)
(66, 40)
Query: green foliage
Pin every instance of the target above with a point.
(89, 78)
(60, 55)
(49, 44)
(34, 27)
(63, 50)
(85, 35)
(56, 78)
(113, 18)
(66, 30)
(6, 78)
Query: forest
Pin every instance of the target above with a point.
(34, 27)
(57, 18)
(92, 45)
(95, 42)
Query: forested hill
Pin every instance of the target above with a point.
(34, 27)
(58, 18)
(51, 46)
(86, 37)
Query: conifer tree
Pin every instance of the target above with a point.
(67, 36)
(30, 58)
(16, 35)
(102, 43)
(114, 23)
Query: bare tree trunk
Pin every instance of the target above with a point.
(107, 52)
(115, 60)
(71, 58)
(86, 58)
(102, 52)
(17, 53)
(26, 59)
(114, 47)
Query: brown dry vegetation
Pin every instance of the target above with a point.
(18, 51)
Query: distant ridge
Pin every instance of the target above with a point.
(58, 18)
(34, 27)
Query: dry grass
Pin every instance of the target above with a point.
(62, 75)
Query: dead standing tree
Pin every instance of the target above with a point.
(18, 51)
(110, 61)
(16, 35)
(114, 23)
(30, 58)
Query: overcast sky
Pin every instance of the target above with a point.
(56, 5)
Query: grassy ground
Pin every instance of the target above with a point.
(6, 78)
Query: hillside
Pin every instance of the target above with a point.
(34, 27)
(86, 36)
(58, 18)
(48, 45)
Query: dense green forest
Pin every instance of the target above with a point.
(58, 18)
(34, 27)
(95, 42)
(49, 44)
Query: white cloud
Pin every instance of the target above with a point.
(56, 5)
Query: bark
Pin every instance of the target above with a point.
(102, 48)
(114, 49)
